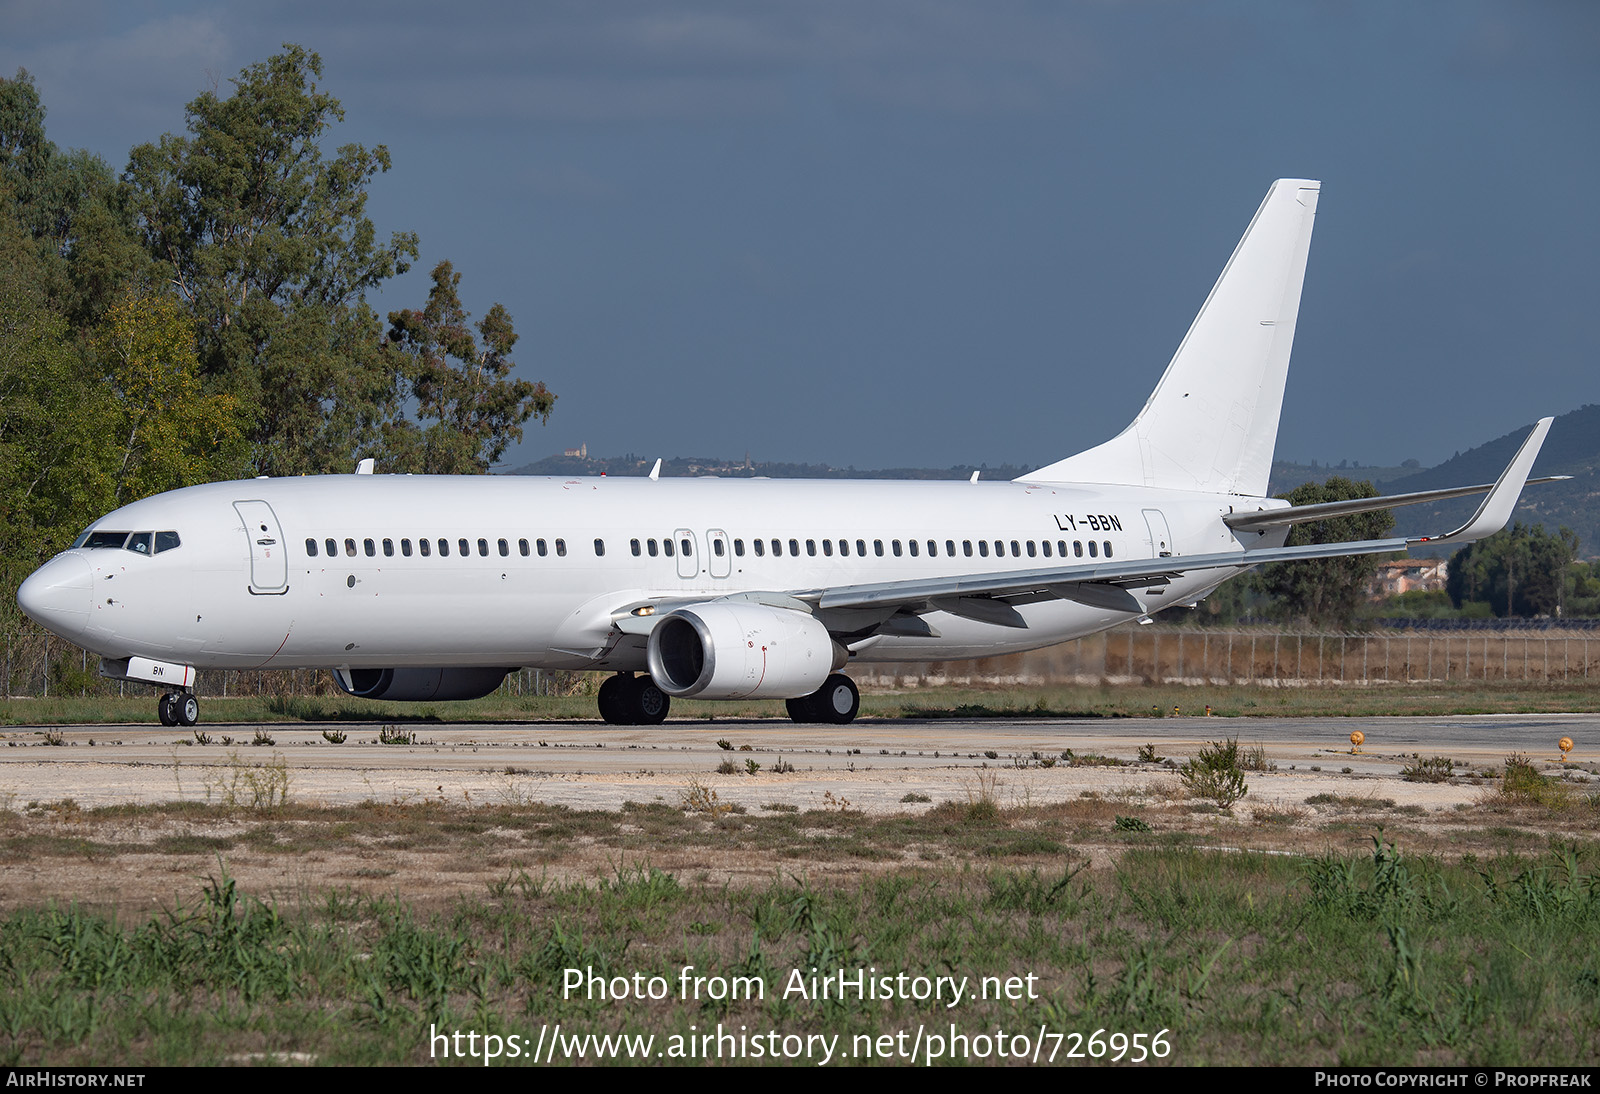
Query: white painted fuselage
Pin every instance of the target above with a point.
(551, 563)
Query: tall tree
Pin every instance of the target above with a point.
(168, 432)
(463, 387)
(270, 245)
(1520, 571)
(1327, 590)
(69, 204)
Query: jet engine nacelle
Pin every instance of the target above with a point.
(419, 684)
(738, 650)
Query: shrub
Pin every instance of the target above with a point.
(1216, 773)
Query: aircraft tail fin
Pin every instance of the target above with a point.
(1212, 422)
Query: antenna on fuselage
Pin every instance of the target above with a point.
(655, 472)
(365, 466)
(974, 477)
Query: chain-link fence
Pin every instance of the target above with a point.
(39, 665)
(1273, 657)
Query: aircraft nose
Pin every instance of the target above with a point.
(57, 595)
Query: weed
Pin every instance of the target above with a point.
(699, 798)
(1254, 758)
(1216, 773)
(1435, 769)
(751, 767)
(1147, 755)
(913, 797)
(992, 754)
(782, 767)
(1523, 785)
(983, 799)
(394, 735)
(727, 767)
(1131, 824)
(201, 737)
(780, 807)
(257, 785)
(725, 745)
(833, 804)
(334, 736)
(262, 739)
(54, 738)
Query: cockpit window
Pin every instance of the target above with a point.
(105, 539)
(139, 543)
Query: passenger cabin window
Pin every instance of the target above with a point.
(522, 547)
(738, 548)
(350, 548)
(1077, 548)
(370, 547)
(333, 548)
(950, 548)
(505, 548)
(687, 545)
(716, 547)
(777, 548)
(811, 547)
(1107, 546)
(1094, 551)
(668, 549)
(877, 547)
(933, 548)
(427, 547)
(827, 547)
(311, 548)
(844, 547)
(388, 548)
(1045, 546)
(983, 548)
(483, 548)
(561, 548)
(966, 547)
(760, 546)
(1031, 552)
(861, 548)
(911, 545)
(794, 548)
(1016, 549)
(405, 547)
(650, 545)
(599, 548)
(896, 546)
(543, 550)
(444, 547)
(636, 547)
(466, 548)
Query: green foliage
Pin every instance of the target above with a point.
(1216, 773)
(1435, 769)
(270, 246)
(463, 388)
(1522, 571)
(1327, 590)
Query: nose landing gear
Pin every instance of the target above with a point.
(178, 708)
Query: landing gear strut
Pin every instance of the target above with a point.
(178, 708)
(629, 700)
(836, 701)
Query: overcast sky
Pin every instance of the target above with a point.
(930, 233)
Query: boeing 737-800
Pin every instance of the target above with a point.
(435, 588)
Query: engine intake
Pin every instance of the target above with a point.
(735, 650)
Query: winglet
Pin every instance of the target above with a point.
(365, 466)
(655, 472)
(1496, 509)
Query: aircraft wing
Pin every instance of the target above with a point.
(991, 597)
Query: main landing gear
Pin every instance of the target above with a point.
(836, 701)
(629, 700)
(178, 708)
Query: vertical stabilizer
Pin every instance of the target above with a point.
(1212, 421)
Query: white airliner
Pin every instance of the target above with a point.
(421, 588)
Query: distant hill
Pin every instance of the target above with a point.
(1573, 448)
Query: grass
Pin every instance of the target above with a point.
(1377, 957)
